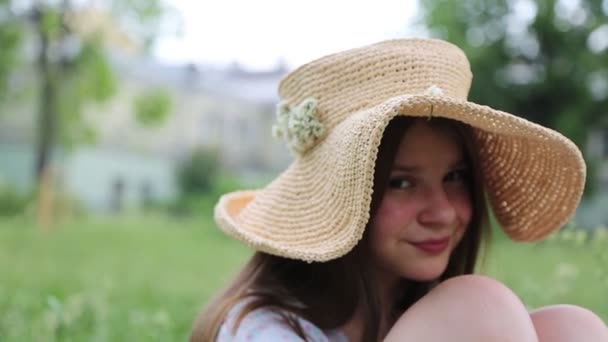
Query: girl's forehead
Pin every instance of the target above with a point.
(424, 133)
(425, 141)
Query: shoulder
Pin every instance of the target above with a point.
(265, 324)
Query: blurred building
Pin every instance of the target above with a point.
(229, 109)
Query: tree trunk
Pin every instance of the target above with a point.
(47, 125)
(47, 109)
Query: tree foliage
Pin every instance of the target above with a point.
(544, 60)
(151, 107)
(10, 40)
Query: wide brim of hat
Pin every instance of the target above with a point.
(318, 208)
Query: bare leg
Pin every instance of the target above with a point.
(467, 308)
(568, 323)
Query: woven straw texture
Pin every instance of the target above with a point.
(317, 209)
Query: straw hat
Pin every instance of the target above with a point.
(332, 117)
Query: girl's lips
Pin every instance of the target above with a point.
(432, 247)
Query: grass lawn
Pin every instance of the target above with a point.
(144, 279)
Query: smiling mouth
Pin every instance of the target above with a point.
(432, 247)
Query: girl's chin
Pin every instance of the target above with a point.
(425, 277)
(428, 274)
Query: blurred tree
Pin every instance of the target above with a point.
(545, 60)
(10, 39)
(73, 68)
(152, 106)
(71, 40)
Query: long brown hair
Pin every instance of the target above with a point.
(327, 294)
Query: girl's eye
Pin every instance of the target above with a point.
(399, 183)
(457, 176)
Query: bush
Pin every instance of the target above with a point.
(201, 204)
(201, 183)
(12, 202)
(198, 173)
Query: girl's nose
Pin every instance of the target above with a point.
(438, 210)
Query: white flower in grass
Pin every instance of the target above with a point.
(600, 234)
(299, 125)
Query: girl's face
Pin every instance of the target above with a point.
(426, 207)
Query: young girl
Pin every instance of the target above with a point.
(374, 231)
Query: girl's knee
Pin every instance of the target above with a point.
(482, 290)
(565, 312)
(568, 322)
(482, 297)
(473, 281)
(475, 307)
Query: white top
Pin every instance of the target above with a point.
(266, 324)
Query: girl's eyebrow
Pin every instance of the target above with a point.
(404, 168)
(415, 169)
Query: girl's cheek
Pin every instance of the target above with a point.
(464, 214)
(464, 207)
(460, 233)
(393, 215)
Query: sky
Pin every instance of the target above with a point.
(258, 34)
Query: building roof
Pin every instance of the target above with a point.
(225, 82)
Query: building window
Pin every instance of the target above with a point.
(210, 128)
(242, 129)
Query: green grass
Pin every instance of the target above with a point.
(110, 280)
(144, 279)
(568, 271)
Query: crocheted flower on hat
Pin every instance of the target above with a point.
(298, 125)
(434, 90)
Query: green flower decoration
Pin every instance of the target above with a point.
(299, 125)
